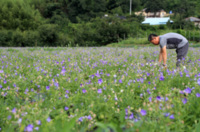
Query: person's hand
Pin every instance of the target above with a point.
(157, 64)
(164, 66)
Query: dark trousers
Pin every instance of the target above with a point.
(181, 54)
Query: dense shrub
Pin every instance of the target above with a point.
(48, 34)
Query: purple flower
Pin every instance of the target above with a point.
(4, 81)
(9, 117)
(67, 91)
(66, 96)
(84, 91)
(162, 78)
(1, 86)
(198, 81)
(19, 120)
(188, 90)
(120, 81)
(80, 119)
(198, 95)
(97, 75)
(148, 74)
(37, 128)
(143, 112)
(158, 98)
(150, 99)
(148, 91)
(1, 71)
(166, 114)
(100, 81)
(29, 128)
(131, 116)
(14, 110)
(47, 87)
(63, 71)
(66, 108)
(171, 117)
(38, 122)
(48, 119)
(56, 84)
(89, 117)
(99, 91)
(184, 101)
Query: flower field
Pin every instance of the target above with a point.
(98, 89)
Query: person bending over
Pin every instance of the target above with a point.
(170, 41)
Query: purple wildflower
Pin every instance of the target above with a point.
(14, 110)
(80, 119)
(48, 119)
(148, 91)
(19, 120)
(188, 90)
(84, 91)
(198, 95)
(99, 91)
(120, 81)
(36, 128)
(38, 122)
(66, 108)
(171, 116)
(9, 117)
(1, 86)
(143, 112)
(97, 75)
(162, 78)
(150, 99)
(158, 98)
(100, 81)
(47, 87)
(29, 128)
(131, 116)
(66, 96)
(198, 81)
(167, 114)
(89, 117)
(67, 91)
(56, 84)
(184, 101)
(63, 71)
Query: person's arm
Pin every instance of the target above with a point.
(160, 56)
(164, 55)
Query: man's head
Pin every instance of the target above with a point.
(153, 38)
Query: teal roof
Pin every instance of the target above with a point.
(156, 20)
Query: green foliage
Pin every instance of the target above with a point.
(18, 14)
(83, 22)
(48, 34)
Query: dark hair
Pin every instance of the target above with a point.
(151, 36)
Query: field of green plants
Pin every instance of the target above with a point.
(101, 89)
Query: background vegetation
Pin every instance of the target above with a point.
(82, 22)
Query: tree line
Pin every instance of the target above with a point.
(83, 22)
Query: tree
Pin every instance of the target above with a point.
(155, 5)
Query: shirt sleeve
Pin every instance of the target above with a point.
(163, 42)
